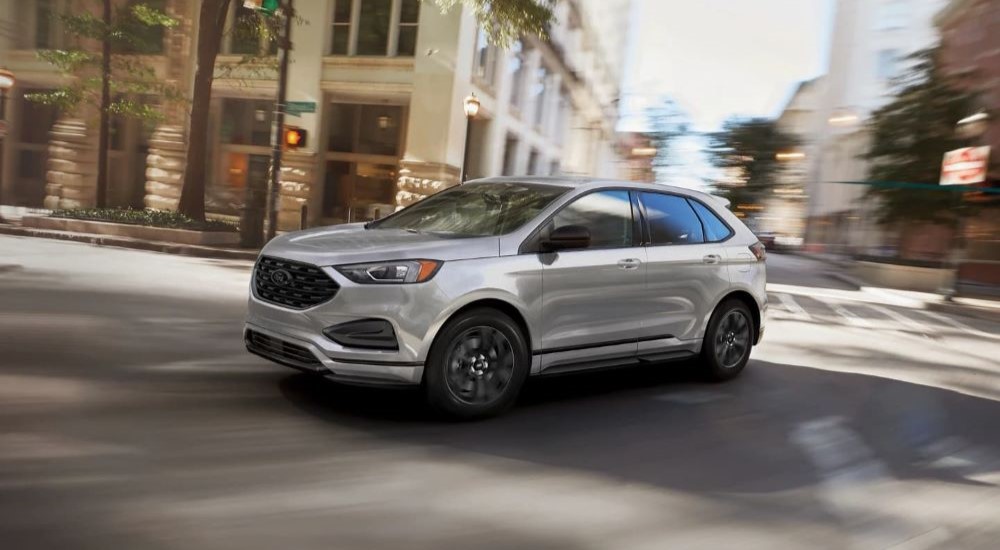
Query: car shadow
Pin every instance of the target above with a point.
(773, 429)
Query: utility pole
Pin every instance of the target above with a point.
(277, 132)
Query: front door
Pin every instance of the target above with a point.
(685, 272)
(592, 298)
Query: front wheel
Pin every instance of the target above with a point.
(728, 340)
(477, 365)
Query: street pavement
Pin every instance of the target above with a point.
(132, 417)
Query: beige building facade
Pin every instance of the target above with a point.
(387, 78)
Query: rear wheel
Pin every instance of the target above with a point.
(728, 340)
(477, 365)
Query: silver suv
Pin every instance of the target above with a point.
(474, 289)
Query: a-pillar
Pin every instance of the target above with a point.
(168, 145)
(435, 136)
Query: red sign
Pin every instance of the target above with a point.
(965, 166)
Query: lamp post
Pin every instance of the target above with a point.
(471, 111)
(7, 82)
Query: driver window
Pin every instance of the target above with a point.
(607, 214)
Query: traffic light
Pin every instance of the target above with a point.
(295, 137)
(266, 6)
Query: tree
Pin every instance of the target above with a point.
(121, 33)
(503, 21)
(747, 152)
(909, 137)
(667, 123)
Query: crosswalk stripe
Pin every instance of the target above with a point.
(792, 306)
(851, 317)
(902, 319)
(959, 325)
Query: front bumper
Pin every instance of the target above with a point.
(353, 371)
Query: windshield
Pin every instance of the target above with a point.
(480, 209)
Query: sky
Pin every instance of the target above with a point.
(720, 58)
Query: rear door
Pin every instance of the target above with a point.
(685, 273)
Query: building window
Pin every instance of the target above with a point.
(249, 33)
(539, 95)
(37, 26)
(510, 156)
(364, 144)
(892, 15)
(485, 67)
(246, 122)
(30, 146)
(886, 64)
(533, 158)
(554, 168)
(562, 117)
(517, 66)
(375, 27)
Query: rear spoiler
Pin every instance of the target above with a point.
(722, 200)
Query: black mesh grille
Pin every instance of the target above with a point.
(279, 350)
(292, 284)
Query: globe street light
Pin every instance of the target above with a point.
(471, 111)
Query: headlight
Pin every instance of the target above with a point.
(401, 272)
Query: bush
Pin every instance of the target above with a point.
(151, 218)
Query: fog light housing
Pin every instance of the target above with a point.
(365, 334)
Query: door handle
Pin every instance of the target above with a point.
(712, 259)
(629, 263)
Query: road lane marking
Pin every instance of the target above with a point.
(959, 325)
(793, 307)
(902, 319)
(850, 316)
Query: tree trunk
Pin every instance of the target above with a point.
(211, 23)
(104, 138)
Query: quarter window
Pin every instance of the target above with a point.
(607, 214)
(716, 230)
(671, 220)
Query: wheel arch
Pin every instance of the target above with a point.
(751, 304)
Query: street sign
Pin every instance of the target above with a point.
(965, 166)
(296, 108)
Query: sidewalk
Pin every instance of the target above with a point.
(218, 253)
(980, 308)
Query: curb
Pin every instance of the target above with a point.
(196, 251)
(983, 314)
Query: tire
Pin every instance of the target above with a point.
(728, 341)
(477, 365)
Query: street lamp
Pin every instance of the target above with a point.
(471, 111)
(7, 82)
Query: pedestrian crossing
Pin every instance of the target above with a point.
(871, 315)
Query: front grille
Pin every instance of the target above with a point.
(280, 350)
(292, 284)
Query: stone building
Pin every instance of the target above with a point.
(388, 79)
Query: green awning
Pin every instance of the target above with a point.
(923, 186)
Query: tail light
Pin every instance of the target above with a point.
(759, 251)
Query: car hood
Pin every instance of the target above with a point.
(348, 244)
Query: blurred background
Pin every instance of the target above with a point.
(857, 138)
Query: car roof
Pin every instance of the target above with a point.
(585, 182)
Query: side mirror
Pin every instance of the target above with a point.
(566, 237)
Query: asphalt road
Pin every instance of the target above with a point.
(131, 417)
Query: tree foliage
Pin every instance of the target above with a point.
(746, 151)
(909, 137)
(667, 123)
(504, 21)
(132, 31)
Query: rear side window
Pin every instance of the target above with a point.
(715, 229)
(671, 220)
